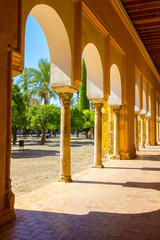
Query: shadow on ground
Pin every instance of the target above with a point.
(40, 225)
(36, 153)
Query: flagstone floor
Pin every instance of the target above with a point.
(119, 202)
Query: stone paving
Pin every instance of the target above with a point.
(119, 202)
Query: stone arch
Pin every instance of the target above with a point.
(149, 102)
(144, 96)
(137, 92)
(58, 43)
(115, 97)
(94, 71)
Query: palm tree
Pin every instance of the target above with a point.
(40, 82)
(25, 84)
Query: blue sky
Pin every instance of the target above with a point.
(36, 46)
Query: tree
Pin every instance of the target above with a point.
(25, 84)
(89, 121)
(84, 102)
(44, 117)
(55, 125)
(19, 111)
(40, 81)
(77, 120)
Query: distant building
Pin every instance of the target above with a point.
(33, 101)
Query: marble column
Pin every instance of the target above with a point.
(98, 136)
(116, 152)
(136, 131)
(65, 162)
(142, 131)
(147, 131)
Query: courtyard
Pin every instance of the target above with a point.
(38, 165)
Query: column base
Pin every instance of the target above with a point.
(97, 166)
(65, 179)
(148, 144)
(116, 156)
(142, 146)
(7, 216)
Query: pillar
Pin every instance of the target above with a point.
(147, 131)
(65, 165)
(142, 131)
(136, 132)
(116, 152)
(98, 136)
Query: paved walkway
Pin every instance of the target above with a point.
(119, 202)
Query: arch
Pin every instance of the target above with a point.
(115, 97)
(149, 102)
(137, 92)
(94, 71)
(144, 95)
(137, 98)
(58, 43)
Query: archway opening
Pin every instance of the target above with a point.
(115, 98)
(47, 60)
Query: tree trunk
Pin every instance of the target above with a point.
(78, 133)
(93, 133)
(86, 131)
(24, 132)
(38, 133)
(45, 100)
(14, 135)
(43, 139)
(54, 133)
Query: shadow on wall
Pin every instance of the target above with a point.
(94, 225)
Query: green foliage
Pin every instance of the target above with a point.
(44, 117)
(25, 84)
(39, 81)
(19, 108)
(89, 119)
(84, 102)
(77, 119)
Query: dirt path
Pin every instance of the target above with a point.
(38, 165)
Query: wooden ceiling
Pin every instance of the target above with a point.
(145, 15)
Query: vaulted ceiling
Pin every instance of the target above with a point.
(145, 15)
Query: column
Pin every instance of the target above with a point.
(142, 131)
(136, 131)
(98, 136)
(116, 153)
(147, 131)
(65, 165)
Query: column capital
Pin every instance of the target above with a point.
(116, 109)
(65, 97)
(142, 115)
(136, 114)
(98, 106)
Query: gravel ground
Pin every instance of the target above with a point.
(37, 165)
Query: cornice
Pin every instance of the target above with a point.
(128, 23)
